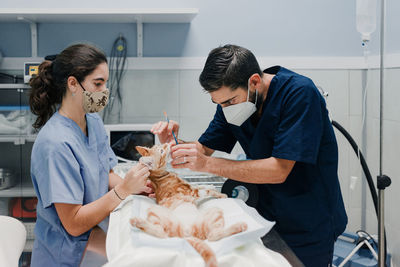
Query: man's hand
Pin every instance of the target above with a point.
(188, 156)
(164, 130)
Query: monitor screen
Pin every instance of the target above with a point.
(123, 143)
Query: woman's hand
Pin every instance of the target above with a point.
(164, 130)
(135, 181)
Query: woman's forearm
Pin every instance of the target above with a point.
(78, 219)
(113, 180)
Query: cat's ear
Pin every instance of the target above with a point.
(144, 151)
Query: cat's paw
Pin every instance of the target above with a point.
(241, 227)
(136, 222)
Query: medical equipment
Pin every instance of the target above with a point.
(341, 245)
(244, 191)
(366, 18)
(383, 181)
(123, 138)
(30, 69)
(362, 248)
(173, 134)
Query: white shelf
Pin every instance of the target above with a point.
(24, 190)
(14, 86)
(97, 15)
(17, 139)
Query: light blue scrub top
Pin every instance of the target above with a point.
(67, 167)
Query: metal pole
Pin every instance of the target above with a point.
(381, 227)
(381, 224)
(381, 82)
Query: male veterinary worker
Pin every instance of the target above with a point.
(281, 122)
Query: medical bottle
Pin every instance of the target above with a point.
(366, 18)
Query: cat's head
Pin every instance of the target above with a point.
(155, 158)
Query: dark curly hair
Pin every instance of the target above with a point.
(50, 85)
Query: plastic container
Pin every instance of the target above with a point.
(366, 18)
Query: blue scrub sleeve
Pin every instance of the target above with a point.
(109, 153)
(59, 177)
(111, 157)
(218, 135)
(105, 146)
(300, 129)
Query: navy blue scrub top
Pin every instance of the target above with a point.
(308, 207)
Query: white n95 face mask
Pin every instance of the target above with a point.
(239, 113)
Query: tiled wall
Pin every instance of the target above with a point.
(147, 93)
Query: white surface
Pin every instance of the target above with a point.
(94, 15)
(123, 251)
(14, 86)
(12, 242)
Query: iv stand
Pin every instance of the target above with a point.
(383, 181)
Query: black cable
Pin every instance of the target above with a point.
(365, 170)
(117, 69)
(363, 163)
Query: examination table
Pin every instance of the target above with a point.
(128, 246)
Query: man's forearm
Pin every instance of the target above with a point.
(262, 171)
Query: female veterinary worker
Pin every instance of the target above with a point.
(71, 162)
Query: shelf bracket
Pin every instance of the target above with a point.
(139, 32)
(34, 40)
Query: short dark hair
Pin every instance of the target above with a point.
(229, 65)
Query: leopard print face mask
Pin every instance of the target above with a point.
(95, 101)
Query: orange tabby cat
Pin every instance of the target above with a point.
(177, 214)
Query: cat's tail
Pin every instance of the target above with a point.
(204, 250)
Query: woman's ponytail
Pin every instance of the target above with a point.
(50, 85)
(44, 94)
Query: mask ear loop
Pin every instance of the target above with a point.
(81, 85)
(248, 90)
(248, 93)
